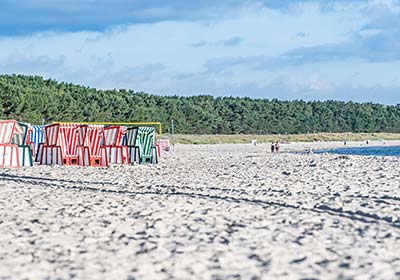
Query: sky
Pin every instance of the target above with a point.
(285, 49)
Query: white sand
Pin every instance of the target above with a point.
(205, 212)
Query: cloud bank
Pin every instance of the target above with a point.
(295, 50)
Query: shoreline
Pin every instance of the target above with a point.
(300, 146)
(268, 138)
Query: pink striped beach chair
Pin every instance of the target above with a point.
(9, 153)
(113, 150)
(163, 145)
(61, 144)
(89, 146)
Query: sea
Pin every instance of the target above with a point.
(364, 151)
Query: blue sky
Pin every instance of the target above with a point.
(287, 49)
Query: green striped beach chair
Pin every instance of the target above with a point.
(25, 150)
(141, 142)
(147, 139)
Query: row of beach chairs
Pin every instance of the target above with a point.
(77, 144)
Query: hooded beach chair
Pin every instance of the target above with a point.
(89, 146)
(146, 140)
(61, 144)
(131, 142)
(113, 151)
(22, 141)
(36, 137)
(9, 152)
(163, 145)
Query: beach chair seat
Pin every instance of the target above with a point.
(25, 155)
(9, 155)
(70, 160)
(133, 154)
(83, 156)
(116, 154)
(85, 159)
(50, 155)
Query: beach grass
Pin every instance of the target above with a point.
(247, 138)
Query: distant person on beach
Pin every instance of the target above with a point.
(277, 147)
(345, 143)
(272, 148)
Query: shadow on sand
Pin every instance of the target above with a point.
(320, 209)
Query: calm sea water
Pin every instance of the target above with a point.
(365, 151)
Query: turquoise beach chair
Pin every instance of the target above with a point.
(141, 142)
(25, 150)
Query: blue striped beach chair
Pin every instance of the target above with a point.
(36, 137)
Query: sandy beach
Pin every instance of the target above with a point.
(205, 212)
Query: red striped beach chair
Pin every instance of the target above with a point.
(9, 153)
(112, 145)
(89, 146)
(61, 145)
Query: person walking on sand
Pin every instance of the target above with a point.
(277, 147)
(272, 148)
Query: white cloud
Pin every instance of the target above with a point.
(370, 32)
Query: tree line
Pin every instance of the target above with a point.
(34, 99)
